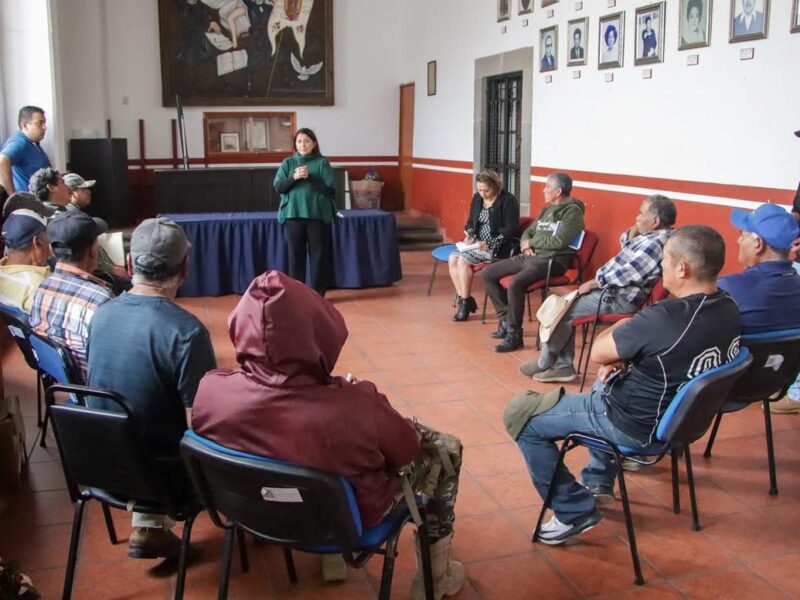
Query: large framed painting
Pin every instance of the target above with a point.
(240, 52)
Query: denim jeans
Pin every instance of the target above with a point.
(584, 413)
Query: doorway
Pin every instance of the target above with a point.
(406, 149)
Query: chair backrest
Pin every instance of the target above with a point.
(278, 501)
(776, 362)
(579, 261)
(102, 449)
(54, 360)
(17, 323)
(696, 404)
(658, 293)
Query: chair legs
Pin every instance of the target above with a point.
(626, 509)
(289, 561)
(112, 533)
(77, 521)
(433, 276)
(242, 550)
(485, 302)
(225, 566)
(713, 436)
(692, 496)
(568, 445)
(676, 492)
(588, 353)
(773, 478)
(182, 556)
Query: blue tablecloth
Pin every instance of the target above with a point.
(230, 249)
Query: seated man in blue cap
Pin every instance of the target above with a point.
(768, 289)
(25, 267)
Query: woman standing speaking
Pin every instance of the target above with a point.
(306, 184)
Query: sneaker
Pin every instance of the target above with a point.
(603, 494)
(562, 375)
(334, 569)
(555, 532)
(784, 406)
(153, 542)
(531, 367)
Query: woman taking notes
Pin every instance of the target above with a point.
(305, 182)
(492, 231)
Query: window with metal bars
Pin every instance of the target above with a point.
(503, 140)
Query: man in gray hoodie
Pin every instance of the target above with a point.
(548, 237)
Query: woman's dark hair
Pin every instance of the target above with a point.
(490, 178)
(611, 29)
(698, 4)
(312, 135)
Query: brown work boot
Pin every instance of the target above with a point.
(784, 406)
(448, 575)
(153, 542)
(334, 569)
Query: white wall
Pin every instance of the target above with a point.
(28, 69)
(724, 120)
(363, 120)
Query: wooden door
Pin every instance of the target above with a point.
(406, 150)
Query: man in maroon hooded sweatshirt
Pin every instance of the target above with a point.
(284, 403)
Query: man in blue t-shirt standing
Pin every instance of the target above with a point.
(145, 347)
(22, 155)
(645, 360)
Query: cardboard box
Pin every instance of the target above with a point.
(12, 445)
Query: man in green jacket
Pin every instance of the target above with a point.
(547, 238)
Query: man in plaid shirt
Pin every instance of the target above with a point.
(65, 302)
(630, 276)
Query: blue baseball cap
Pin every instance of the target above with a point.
(770, 222)
(21, 227)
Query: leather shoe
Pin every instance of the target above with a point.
(465, 307)
(512, 342)
(501, 332)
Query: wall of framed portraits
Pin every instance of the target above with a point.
(657, 97)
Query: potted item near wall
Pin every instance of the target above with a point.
(367, 192)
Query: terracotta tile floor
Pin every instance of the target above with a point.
(447, 374)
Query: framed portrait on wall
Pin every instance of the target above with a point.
(246, 52)
(548, 49)
(229, 142)
(749, 20)
(503, 10)
(432, 78)
(577, 42)
(611, 34)
(694, 24)
(795, 17)
(525, 7)
(548, 2)
(649, 47)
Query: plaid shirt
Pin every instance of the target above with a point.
(637, 267)
(64, 306)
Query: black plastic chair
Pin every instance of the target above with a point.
(105, 459)
(776, 363)
(18, 326)
(293, 506)
(686, 420)
(55, 365)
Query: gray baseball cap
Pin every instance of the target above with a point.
(158, 243)
(74, 181)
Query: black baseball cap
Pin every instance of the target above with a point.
(29, 201)
(72, 231)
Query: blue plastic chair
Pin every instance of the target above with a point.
(17, 323)
(686, 420)
(55, 365)
(776, 363)
(293, 506)
(441, 254)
